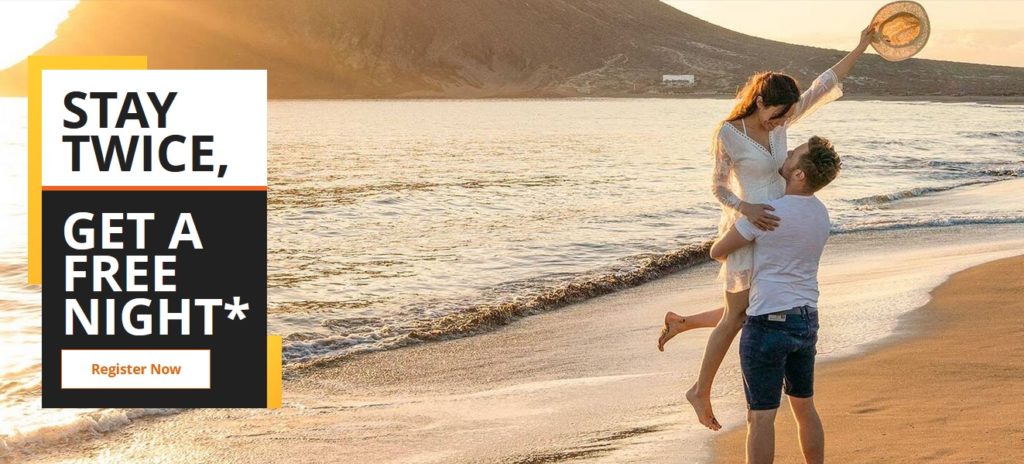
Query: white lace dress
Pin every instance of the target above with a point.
(745, 171)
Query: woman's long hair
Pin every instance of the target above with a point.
(773, 88)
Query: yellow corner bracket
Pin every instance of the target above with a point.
(273, 371)
(36, 66)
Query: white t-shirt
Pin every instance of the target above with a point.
(786, 259)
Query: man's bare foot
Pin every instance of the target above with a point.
(702, 406)
(674, 325)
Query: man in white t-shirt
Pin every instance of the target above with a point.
(777, 347)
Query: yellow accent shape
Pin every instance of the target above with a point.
(36, 65)
(273, 371)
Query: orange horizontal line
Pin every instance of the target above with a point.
(152, 187)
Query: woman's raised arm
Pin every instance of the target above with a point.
(843, 67)
(828, 86)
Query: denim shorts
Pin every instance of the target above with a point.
(777, 355)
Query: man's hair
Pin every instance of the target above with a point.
(821, 164)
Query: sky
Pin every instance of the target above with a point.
(27, 25)
(975, 31)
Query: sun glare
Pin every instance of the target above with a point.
(27, 25)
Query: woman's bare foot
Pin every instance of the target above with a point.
(702, 406)
(674, 325)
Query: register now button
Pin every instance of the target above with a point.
(102, 369)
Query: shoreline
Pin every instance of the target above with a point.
(508, 379)
(538, 391)
(958, 349)
(956, 202)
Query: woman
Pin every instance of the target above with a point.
(749, 148)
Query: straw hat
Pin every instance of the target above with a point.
(902, 30)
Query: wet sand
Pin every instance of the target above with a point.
(584, 382)
(950, 394)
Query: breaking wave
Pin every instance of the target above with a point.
(473, 319)
(87, 424)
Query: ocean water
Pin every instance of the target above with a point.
(399, 222)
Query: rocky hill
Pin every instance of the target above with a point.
(475, 48)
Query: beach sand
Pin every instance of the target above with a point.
(951, 394)
(586, 382)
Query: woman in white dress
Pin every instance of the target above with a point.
(749, 147)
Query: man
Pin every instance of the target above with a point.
(777, 347)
